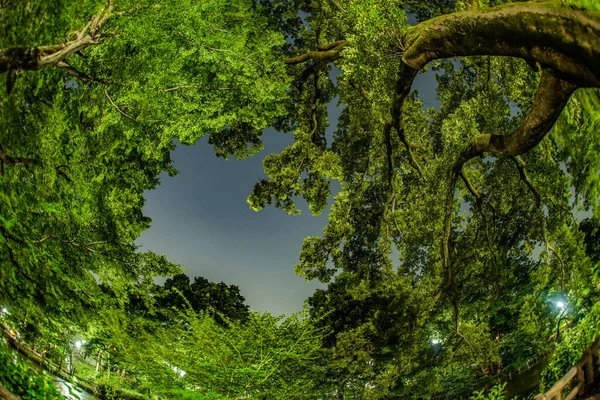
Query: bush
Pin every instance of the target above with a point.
(19, 376)
(495, 393)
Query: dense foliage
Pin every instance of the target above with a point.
(22, 379)
(454, 234)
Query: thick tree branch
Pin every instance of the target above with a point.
(550, 98)
(330, 52)
(34, 58)
(394, 217)
(337, 6)
(332, 45)
(388, 152)
(406, 77)
(566, 44)
(558, 37)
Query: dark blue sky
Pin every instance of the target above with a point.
(202, 221)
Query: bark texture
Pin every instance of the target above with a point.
(557, 37)
(34, 58)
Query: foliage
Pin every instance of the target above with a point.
(79, 152)
(438, 264)
(572, 344)
(201, 295)
(494, 393)
(22, 379)
(194, 355)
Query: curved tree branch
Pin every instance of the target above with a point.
(557, 37)
(406, 76)
(549, 100)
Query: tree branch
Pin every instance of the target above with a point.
(469, 185)
(63, 174)
(556, 36)
(448, 278)
(78, 74)
(7, 235)
(117, 108)
(34, 58)
(549, 100)
(456, 323)
(19, 161)
(332, 45)
(363, 92)
(520, 164)
(337, 6)
(331, 52)
(15, 161)
(406, 77)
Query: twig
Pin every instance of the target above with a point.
(117, 108)
(78, 74)
(520, 163)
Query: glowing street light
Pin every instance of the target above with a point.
(78, 344)
(560, 305)
(435, 341)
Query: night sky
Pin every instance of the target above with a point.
(202, 221)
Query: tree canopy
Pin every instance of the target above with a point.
(452, 231)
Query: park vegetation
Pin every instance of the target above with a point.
(455, 232)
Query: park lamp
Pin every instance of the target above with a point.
(435, 342)
(78, 344)
(560, 304)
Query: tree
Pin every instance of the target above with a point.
(193, 354)
(475, 197)
(90, 119)
(216, 299)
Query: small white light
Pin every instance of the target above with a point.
(560, 304)
(4, 310)
(435, 341)
(78, 344)
(178, 371)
